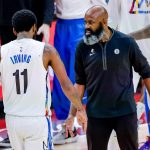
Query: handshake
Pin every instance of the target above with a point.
(81, 118)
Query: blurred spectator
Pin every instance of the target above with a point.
(143, 33)
(107, 1)
(43, 9)
(130, 16)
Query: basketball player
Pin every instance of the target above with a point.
(24, 65)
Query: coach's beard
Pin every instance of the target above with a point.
(93, 37)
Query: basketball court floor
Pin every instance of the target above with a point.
(82, 145)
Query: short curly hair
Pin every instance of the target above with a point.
(23, 20)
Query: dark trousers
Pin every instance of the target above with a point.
(99, 130)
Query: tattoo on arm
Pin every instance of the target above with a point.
(49, 52)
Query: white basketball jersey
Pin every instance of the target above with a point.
(25, 84)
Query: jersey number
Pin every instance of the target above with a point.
(17, 77)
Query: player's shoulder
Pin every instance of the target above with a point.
(121, 35)
(7, 44)
(49, 49)
(50, 53)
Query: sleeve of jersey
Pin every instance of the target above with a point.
(79, 68)
(139, 61)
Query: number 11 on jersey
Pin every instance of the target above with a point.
(17, 78)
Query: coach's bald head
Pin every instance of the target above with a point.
(96, 28)
(97, 12)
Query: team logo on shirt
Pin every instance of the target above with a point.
(92, 52)
(116, 51)
(21, 49)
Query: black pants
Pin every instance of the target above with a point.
(99, 130)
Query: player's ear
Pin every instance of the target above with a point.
(34, 28)
(14, 31)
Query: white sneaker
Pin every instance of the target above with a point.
(5, 143)
(60, 138)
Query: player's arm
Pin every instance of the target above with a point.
(144, 33)
(73, 111)
(80, 89)
(51, 57)
(147, 84)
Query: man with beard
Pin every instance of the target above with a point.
(103, 65)
(69, 31)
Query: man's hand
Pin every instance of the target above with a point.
(69, 125)
(82, 119)
(45, 30)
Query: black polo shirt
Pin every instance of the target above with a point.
(106, 71)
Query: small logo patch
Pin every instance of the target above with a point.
(116, 51)
(92, 52)
(21, 49)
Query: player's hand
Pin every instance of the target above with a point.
(82, 119)
(69, 125)
(45, 30)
